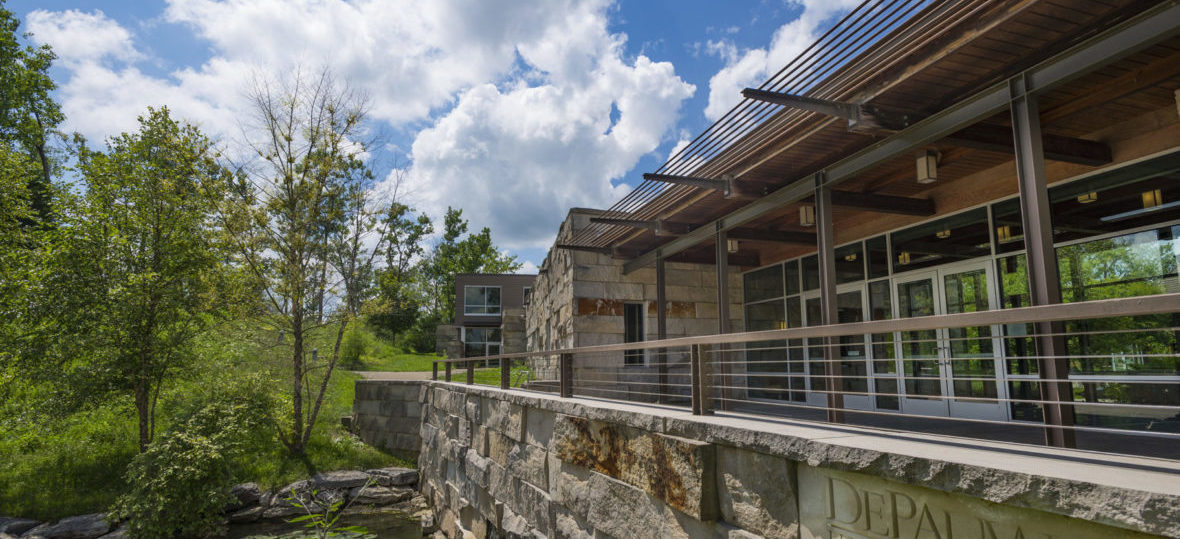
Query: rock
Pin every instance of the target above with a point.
(245, 495)
(249, 514)
(426, 520)
(17, 526)
(78, 527)
(339, 480)
(120, 533)
(280, 511)
(394, 477)
(378, 495)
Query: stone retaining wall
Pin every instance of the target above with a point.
(387, 414)
(529, 465)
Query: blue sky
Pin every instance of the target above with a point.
(513, 110)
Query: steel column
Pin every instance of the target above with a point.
(723, 323)
(826, 252)
(1044, 283)
(661, 328)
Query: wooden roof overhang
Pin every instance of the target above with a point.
(1091, 63)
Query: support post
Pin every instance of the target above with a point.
(694, 366)
(705, 368)
(470, 372)
(826, 241)
(505, 373)
(447, 366)
(1044, 284)
(661, 330)
(723, 323)
(566, 381)
(434, 370)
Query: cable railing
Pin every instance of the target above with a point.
(976, 375)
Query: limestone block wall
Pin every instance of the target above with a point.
(578, 300)
(512, 336)
(387, 414)
(447, 340)
(516, 464)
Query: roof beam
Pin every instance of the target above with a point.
(873, 120)
(585, 248)
(748, 260)
(997, 138)
(729, 187)
(773, 236)
(883, 203)
(633, 223)
(1148, 28)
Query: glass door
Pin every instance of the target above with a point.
(851, 351)
(971, 353)
(921, 362)
(949, 371)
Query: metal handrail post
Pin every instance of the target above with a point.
(505, 373)
(567, 375)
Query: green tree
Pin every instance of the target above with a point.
(453, 255)
(399, 297)
(135, 268)
(28, 114)
(302, 221)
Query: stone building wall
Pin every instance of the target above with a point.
(512, 330)
(530, 465)
(387, 414)
(578, 301)
(448, 340)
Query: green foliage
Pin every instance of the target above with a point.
(134, 270)
(354, 347)
(180, 485)
(399, 299)
(28, 114)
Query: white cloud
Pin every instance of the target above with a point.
(753, 66)
(523, 108)
(77, 36)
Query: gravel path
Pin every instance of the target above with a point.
(384, 375)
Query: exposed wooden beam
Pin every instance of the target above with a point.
(674, 228)
(633, 223)
(729, 187)
(1148, 75)
(873, 120)
(585, 248)
(998, 138)
(774, 236)
(883, 203)
(748, 260)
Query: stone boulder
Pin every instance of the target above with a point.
(245, 495)
(378, 495)
(16, 526)
(78, 527)
(394, 477)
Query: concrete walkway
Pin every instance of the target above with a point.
(385, 375)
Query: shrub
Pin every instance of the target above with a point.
(180, 486)
(352, 349)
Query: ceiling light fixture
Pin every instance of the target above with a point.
(943, 234)
(928, 167)
(1087, 198)
(731, 246)
(806, 215)
(903, 258)
(1152, 198)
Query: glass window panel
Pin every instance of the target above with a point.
(1103, 204)
(853, 363)
(810, 273)
(958, 237)
(1019, 351)
(791, 270)
(767, 356)
(877, 257)
(633, 332)
(815, 351)
(880, 308)
(766, 283)
(1007, 230)
(850, 264)
(794, 313)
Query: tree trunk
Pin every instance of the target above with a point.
(142, 408)
(319, 400)
(297, 444)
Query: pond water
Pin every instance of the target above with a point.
(380, 525)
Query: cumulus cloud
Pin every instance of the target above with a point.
(522, 108)
(80, 37)
(753, 66)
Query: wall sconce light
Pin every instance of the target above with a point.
(903, 258)
(928, 167)
(850, 257)
(731, 245)
(806, 215)
(1004, 233)
(943, 234)
(1152, 198)
(1087, 198)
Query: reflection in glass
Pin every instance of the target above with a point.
(972, 358)
(853, 367)
(883, 353)
(766, 356)
(766, 283)
(958, 237)
(850, 264)
(877, 257)
(919, 349)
